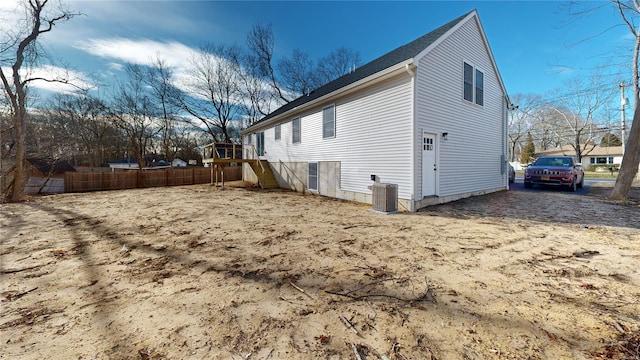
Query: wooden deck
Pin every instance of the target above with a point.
(222, 154)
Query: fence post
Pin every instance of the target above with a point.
(66, 182)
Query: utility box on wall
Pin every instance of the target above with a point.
(385, 197)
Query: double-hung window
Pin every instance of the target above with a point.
(329, 122)
(473, 85)
(295, 130)
(479, 87)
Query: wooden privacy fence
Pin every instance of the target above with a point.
(131, 179)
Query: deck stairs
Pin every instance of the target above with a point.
(266, 179)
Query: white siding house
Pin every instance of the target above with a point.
(593, 156)
(429, 116)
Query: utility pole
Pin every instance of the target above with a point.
(623, 102)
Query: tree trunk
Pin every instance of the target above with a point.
(630, 160)
(19, 175)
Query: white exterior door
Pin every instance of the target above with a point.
(429, 164)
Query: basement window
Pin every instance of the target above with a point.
(312, 182)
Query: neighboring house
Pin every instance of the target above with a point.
(123, 164)
(599, 155)
(132, 164)
(177, 162)
(429, 116)
(46, 176)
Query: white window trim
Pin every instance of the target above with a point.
(277, 132)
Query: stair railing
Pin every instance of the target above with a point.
(257, 157)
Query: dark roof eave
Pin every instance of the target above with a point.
(275, 117)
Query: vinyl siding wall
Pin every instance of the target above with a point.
(373, 136)
(470, 160)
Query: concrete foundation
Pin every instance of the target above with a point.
(294, 176)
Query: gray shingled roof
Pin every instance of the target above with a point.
(51, 167)
(403, 53)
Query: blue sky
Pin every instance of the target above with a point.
(537, 44)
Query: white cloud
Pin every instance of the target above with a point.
(177, 56)
(561, 70)
(115, 66)
(54, 78)
(141, 52)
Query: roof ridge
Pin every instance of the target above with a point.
(387, 60)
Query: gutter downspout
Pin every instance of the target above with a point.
(408, 69)
(412, 205)
(506, 105)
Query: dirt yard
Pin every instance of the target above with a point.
(196, 272)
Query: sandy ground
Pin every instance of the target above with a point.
(197, 272)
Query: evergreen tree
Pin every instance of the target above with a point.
(528, 151)
(610, 140)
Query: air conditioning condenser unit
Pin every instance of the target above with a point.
(385, 197)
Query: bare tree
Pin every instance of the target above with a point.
(20, 49)
(298, 73)
(215, 93)
(258, 97)
(135, 112)
(339, 62)
(630, 12)
(577, 112)
(158, 78)
(260, 43)
(524, 114)
(81, 124)
(546, 127)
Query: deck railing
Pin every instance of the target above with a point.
(221, 152)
